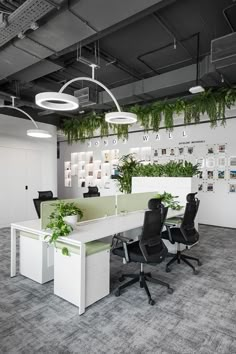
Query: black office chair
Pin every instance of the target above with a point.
(92, 192)
(149, 249)
(184, 234)
(43, 196)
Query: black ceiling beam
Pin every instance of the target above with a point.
(172, 33)
(119, 25)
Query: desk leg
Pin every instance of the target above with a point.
(13, 252)
(82, 279)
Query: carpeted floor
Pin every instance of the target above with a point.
(199, 317)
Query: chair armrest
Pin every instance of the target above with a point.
(125, 241)
(168, 227)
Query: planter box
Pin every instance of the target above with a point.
(66, 272)
(36, 258)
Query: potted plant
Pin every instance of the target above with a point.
(62, 221)
(168, 200)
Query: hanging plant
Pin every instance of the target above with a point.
(150, 116)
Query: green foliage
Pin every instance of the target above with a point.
(212, 103)
(65, 209)
(57, 224)
(128, 167)
(126, 170)
(169, 200)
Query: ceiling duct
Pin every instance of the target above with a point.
(22, 18)
(86, 96)
(223, 50)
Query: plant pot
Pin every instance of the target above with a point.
(71, 220)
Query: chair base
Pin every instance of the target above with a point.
(142, 278)
(178, 257)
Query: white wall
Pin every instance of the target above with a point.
(41, 155)
(217, 207)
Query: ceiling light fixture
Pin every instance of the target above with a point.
(59, 101)
(36, 133)
(197, 88)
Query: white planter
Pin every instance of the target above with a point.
(71, 220)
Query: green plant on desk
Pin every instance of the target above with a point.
(58, 225)
(169, 200)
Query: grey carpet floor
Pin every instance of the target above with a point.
(199, 317)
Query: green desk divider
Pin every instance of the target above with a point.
(133, 202)
(93, 208)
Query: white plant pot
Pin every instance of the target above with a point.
(71, 220)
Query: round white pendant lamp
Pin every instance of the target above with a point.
(36, 133)
(120, 118)
(57, 101)
(63, 102)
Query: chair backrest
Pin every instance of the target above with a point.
(187, 226)
(43, 196)
(92, 192)
(150, 240)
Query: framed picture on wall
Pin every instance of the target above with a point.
(232, 174)
(163, 152)
(221, 174)
(210, 174)
(200, 187)
(221, 162)
(221, 148)
(232, 161)
(210, 187)
(210, 149)
(172, 152)
(181, 151)
(232, 188)
(200, 162)
(190, 150)
(200, 175)
(210, 162)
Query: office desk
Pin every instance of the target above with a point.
(85, 232)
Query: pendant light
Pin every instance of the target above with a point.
(198, 88)
(59, 101)
(35, 133)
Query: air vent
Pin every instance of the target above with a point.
(86, 96)
(223, 50)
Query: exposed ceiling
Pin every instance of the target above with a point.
(145, 49)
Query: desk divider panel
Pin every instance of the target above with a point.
(93, 208)
(133, 202)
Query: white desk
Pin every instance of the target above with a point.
(85, 232)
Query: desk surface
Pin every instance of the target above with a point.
(94, 229)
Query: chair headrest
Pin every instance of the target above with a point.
(190, 197)
(93, 189)
(154, 203)
(45, 195)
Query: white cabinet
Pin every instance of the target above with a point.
(36, 258)
(67, 281)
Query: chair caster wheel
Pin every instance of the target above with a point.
(195, 272)
(117, 293)
(151, 302)
(170, 290)
(122, 278)
(167, 270)
(199, 263)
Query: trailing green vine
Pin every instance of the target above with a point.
(150, 116)
(129, 167)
